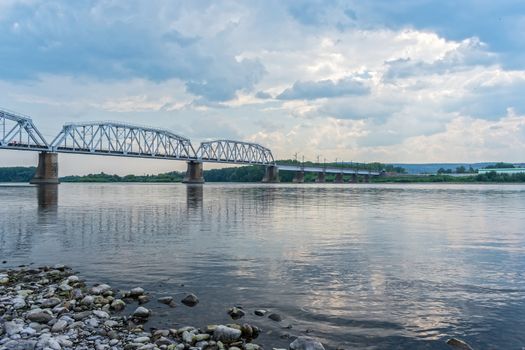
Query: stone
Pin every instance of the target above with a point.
(190, 300)
(141, 312)
(118, 305)
(143, 299)
(251, 346)
(59, 326)
(165, 300)
(13, 327)
(458, 344)
(49, 303)
(39, 316)
(100, 289)
(226, 334)
(87, 300)
(18, 302)
(100, 314)
(81, 315)
(141, 340)
(136, 292)
(260, 312)
(187, 337)
(306, 343)
(275, 317)
(247, 331)
(236, 313)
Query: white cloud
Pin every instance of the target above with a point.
(349, 88)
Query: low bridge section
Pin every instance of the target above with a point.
(108, 138)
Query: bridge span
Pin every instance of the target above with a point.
(109, 138)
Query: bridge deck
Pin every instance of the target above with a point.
(328, 170)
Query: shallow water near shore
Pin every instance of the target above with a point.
(357, 266)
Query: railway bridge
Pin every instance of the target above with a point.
(109, 138)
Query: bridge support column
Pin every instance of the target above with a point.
(367, 178)
(320, 178)
(47, 170)
(194, 174)
(338, 178)
(298, 177)
(271, 174)
(354, 178)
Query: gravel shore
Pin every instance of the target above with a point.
(52, 308)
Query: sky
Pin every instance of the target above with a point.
(389, 81)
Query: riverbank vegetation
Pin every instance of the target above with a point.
(256, 173)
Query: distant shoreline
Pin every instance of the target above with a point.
(254, 174)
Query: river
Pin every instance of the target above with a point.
(357, 266)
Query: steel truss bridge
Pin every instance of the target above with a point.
(109, 138)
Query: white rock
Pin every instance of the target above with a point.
(306, 343)
(226, 334)
(141, 312)
(101, 289)
(18, 302)
(100, 314)
(14, 327)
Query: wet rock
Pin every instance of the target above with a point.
(100, 289)
(236, 313)
(458, 344)
(118, 305)
(190, 300)
(165, 300)
(306, 343)
(226, 334)
(136, 292)
(260, 312)
(143, 299)
(141, 312)
(275, 317)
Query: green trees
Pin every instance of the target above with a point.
(17, 174)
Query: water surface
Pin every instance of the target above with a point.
(359, 266)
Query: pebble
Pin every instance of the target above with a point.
(136, 292)
(306, 343)
(53, 309)
(458, 344)
(236, 313)
(141, 312)
(190, 300)
(275, 317)
(165, 300)
(226, 334)
(260, 312)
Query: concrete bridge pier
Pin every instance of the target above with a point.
(339, 178)
(194, 174)
(366, 178)
(354, 178)
(298, 177)
(321, 177)
(47, 170)
(271, 174)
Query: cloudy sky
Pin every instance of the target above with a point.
(389, 81)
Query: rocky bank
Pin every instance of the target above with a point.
(50, 308)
